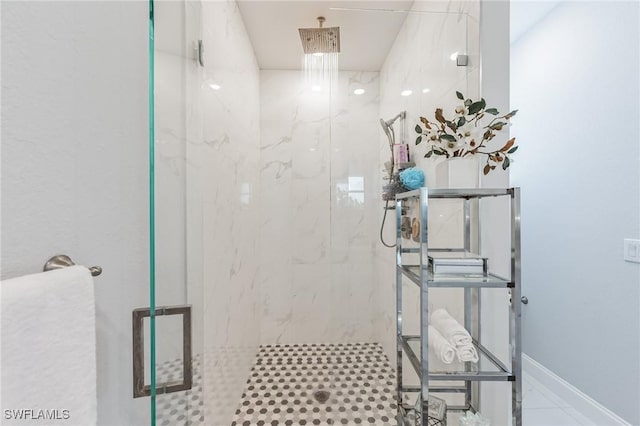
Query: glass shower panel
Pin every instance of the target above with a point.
(176, 341)
(267, 217)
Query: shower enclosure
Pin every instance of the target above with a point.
(270, 292)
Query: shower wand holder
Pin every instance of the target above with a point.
(407, 165)
(389, 191)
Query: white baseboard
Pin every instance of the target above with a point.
(583, 403)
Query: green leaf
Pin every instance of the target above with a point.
(484, 103)
(498, 126)
(428, 154)
(418, 140)
(512, 150)
(460, 96)
(438, 152)
(475, 107)
(468, 102)
(492, 111)
(418, 128)
(447, 137)
(505, 163)
(461, 121)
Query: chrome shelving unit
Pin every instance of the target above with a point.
(457, 378)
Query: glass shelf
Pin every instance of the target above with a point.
(488, 366)
(465, 193)
(458, 280)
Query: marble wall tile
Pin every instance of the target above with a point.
(420, 62)
(318, 160)
(225, 164)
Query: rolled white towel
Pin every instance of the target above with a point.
(441, 347)
(450, 329)
(467, 353)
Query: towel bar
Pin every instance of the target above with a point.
(62, 261)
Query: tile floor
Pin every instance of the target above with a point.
(357, 380)
(180, 408)
(540, 407)
(365, 381)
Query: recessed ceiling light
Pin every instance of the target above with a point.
(316, 88)
(406, 92)
(214, 86)
(426, 90)
(358, 92)
(454, 56)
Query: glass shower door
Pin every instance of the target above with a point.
(168, 334)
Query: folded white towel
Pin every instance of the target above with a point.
(441, 347)
(467, 353)
(455, 333)
(49, 348)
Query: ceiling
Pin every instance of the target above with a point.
(365, 36)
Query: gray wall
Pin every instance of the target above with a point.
(574, 79)
(74, 164)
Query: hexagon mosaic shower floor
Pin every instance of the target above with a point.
(282, 383)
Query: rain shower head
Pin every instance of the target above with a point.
(320, 40)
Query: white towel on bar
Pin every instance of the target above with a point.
(441, 347)
(455, 333)
(467, 353)
(49, 348)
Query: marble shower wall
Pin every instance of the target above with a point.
(318, 179)
(420, 62)
(224, 160)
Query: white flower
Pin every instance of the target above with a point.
(432, 135)
(471, 135)
(452, 146)
(461, 110)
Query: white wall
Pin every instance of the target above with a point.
(74, 164)
(495, 213)
(317, 234)
(575, 81)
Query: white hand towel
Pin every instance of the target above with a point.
(467, 353)
(441, 347)
(49, 348)
(455, 333)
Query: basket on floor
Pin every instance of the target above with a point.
(437, 414)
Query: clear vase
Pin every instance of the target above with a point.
(458, 172)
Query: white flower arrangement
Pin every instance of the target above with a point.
(469, 133)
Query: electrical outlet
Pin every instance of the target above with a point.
(632, 250)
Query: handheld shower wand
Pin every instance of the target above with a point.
(387, 126)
